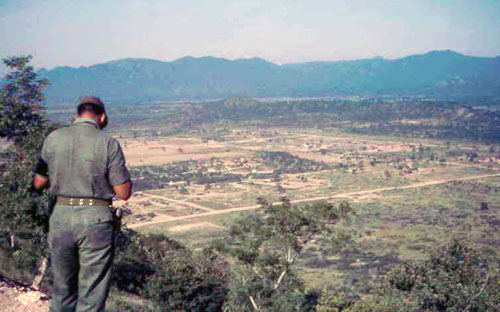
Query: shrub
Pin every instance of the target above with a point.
(162, 270)
(453, 278)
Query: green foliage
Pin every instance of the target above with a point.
(153, 177)
(213, 133)
(22, 122)
(183, 189)
(453, 278)
(332, 302)
(337, 301)
(21, 101)
(285, 162)
(264, 247)
(165, 272)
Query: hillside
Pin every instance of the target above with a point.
(437, 73)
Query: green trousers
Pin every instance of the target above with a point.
(81, 252)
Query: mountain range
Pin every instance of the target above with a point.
(436, 73)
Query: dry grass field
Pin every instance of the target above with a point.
(371, 168)
(407, 195)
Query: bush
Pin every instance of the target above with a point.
(453, 278)
(165, 272)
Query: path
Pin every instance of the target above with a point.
(181, 202)
(165, 219)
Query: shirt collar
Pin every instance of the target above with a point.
(79, 121)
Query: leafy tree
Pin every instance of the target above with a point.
(21, 102)
(264, 248)
(23, 124)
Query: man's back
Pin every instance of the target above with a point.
(84, 168)
(83, 161)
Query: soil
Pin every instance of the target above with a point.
(18, 298)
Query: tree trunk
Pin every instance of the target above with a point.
(41, 273)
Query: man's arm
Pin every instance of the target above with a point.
(123, 190)
(118, 174)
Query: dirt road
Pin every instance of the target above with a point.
(165, 219)
(180, 202)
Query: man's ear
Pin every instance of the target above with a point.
(103, 120)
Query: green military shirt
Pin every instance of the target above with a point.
(82, 161)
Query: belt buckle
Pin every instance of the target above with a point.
(71, 201)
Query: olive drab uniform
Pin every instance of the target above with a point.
(82, 164)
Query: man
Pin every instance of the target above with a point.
(85, 169)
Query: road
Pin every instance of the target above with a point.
(180, 202)
(164, 219)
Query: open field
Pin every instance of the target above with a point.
(407, 195)
(353, 165)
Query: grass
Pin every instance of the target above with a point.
(405, 225)
(385, 228)
(197, 237)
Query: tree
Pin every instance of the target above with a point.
(23, 123)
(21, 102)
(264, 248)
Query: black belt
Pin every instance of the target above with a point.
(77, 201)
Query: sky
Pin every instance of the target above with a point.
(82, 33)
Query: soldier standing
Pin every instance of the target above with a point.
(85, 169)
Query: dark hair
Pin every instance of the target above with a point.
(90, 108)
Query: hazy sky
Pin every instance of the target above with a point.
(74, 33)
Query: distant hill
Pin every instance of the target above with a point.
(437, 73)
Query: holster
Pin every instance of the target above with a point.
(117, 218)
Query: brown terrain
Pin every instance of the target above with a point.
(236, 154)
(190, 213)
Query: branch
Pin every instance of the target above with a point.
(280, 278)
(254, 269)
(255, 306)
(304, 240)
(289, 259)
(41, 274)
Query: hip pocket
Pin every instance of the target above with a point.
(98, 236)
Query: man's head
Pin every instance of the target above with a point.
(92, 107)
